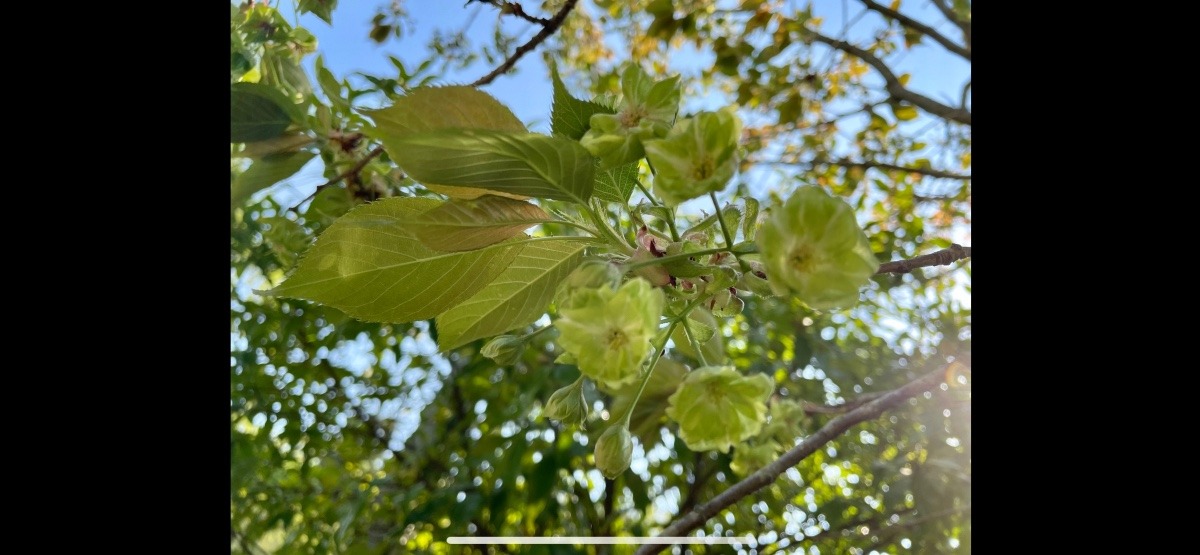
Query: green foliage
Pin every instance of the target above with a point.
(459, 278)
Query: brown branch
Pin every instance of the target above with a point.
(867, 164)
(357, 167)
(918, 27)
(943, 257)
(547, 29)
(513, 8)
(963, 24)
(892, 83)
(768, 474)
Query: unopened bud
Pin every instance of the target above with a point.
(567, 405)
(504, 349)
(614, 450)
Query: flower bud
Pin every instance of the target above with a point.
(504, 349)
(567, 405)
(614, 450)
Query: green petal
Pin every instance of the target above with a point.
(717, 407)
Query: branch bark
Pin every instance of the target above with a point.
(943, 257)
(918, 27)
(867, 164)
(357, 167)
(892, 83)
(964, 25)
(768, 474)
(547, 29)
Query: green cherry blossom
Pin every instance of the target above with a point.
(717, 407)
(646, 112)
(609, 331)
(699, 156)
(813, 248)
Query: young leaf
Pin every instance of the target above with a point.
(435, 108)
(519, 163)
(617, 184)
(516, 298)
(463, 225)
(258, 112)
(570, 116)
(320, 8)
(369, 266)
(266, 172)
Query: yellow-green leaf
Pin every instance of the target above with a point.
(462, 225)
(904, 112)
(516, 298)
(520, 163)
(266, 172)
(368, 265)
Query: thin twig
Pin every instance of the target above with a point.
(768, 474)
(867, 164)
(963, 24)
(943, 257)
(918, 27)
(515, 9)
(547, 30)
(892, 83)
(357, 167)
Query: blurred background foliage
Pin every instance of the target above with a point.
(349, 437)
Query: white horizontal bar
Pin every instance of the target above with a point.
(593, 540)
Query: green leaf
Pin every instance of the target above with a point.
(436, 108)
(369, 266)
(258, 112)
(570, 116)
(617, 184)
(329, 84)
(463, 225)
(517, 163)
(266, 172)
(320, 8)
(516, 298)
(289, 142)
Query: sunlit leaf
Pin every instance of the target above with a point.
(461, 225)
(516, 298)
(368, 265)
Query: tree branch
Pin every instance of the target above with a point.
(943, 257)
(513, 8)
(768, 474)
(357, 167)
(548, 29)
(892, 83)
(918, 27)
(867, 164)
(964, 25)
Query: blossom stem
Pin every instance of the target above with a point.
(658, 352)
(725, 231)
(671, 258)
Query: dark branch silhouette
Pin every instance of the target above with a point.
(892, 83)
(548, 29)
(867, 164)
(768, 474)
(943, 257)
(918, 27)
(357, 167)
(963, 24)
